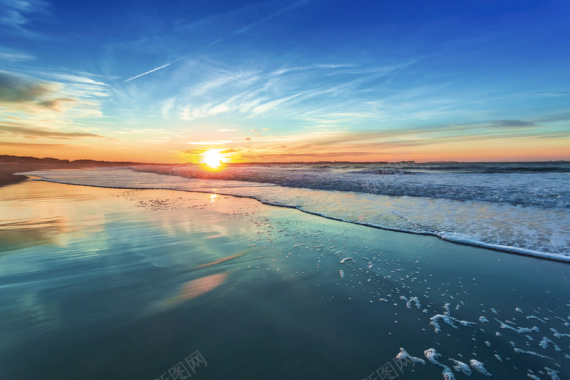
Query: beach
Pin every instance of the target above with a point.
(132, 283)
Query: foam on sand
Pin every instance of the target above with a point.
(461, 367)
(448, 319)
(409, 302)
(403, 355)
(519, 351)
(545, 342)
(552, 373)
(432, 356)
(479, 367)
(519, 330)
(559, 335)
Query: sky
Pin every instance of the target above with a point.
(308, 80)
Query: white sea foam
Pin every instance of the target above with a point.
(432, 355)
(403, 355)
(447, 374)
(559, 335)
(479, 367)
(545, 342)
(461, 367)
(409, 302)
(519, 351)
(532, 376)
(448, 319)
(519, 330)
(535, 317)
(552, 373)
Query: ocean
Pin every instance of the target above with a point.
(124, 274)
(513, 207)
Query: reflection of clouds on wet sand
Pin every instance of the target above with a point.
(26, 233)
(30, 216)
(79, 255)
(192, 289)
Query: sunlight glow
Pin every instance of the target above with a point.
(213, 158)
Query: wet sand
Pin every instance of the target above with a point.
(123, 284)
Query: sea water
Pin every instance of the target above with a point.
(514, 207)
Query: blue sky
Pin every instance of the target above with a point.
(286, 80)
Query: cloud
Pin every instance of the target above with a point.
(327, 155)
(16, 89)
(194, 151)
(233, 150)
(77, 79)
(22, 93)
(167, 106)
(16, 130)
(512, 123)
(214, 142)
(56, 104)
(17, 13)
(31, 145)
(14, 56)
(554, 94)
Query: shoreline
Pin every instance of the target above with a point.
(493, 247)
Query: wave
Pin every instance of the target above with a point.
(526, 230)
(549, 190)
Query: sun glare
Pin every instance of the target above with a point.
(213, 158)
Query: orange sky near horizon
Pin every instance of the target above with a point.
(522, 149)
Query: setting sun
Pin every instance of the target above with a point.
(213, 158)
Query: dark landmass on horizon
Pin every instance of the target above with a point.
(9, 165)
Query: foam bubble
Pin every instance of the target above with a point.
(461, 367)
(479, 367)
(403, 355)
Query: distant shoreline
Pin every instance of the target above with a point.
(8, 159)
(8, 170)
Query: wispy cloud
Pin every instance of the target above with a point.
(167, 106)
(31, 145)
(14, 55)
(260, 21)
(18, 130)
(22, 91)
(213, 142)
(17, 14)
(554, 94)
(512, 123)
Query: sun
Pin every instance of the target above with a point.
(213, 158)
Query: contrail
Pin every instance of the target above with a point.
(148, 72)
(239, 31)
